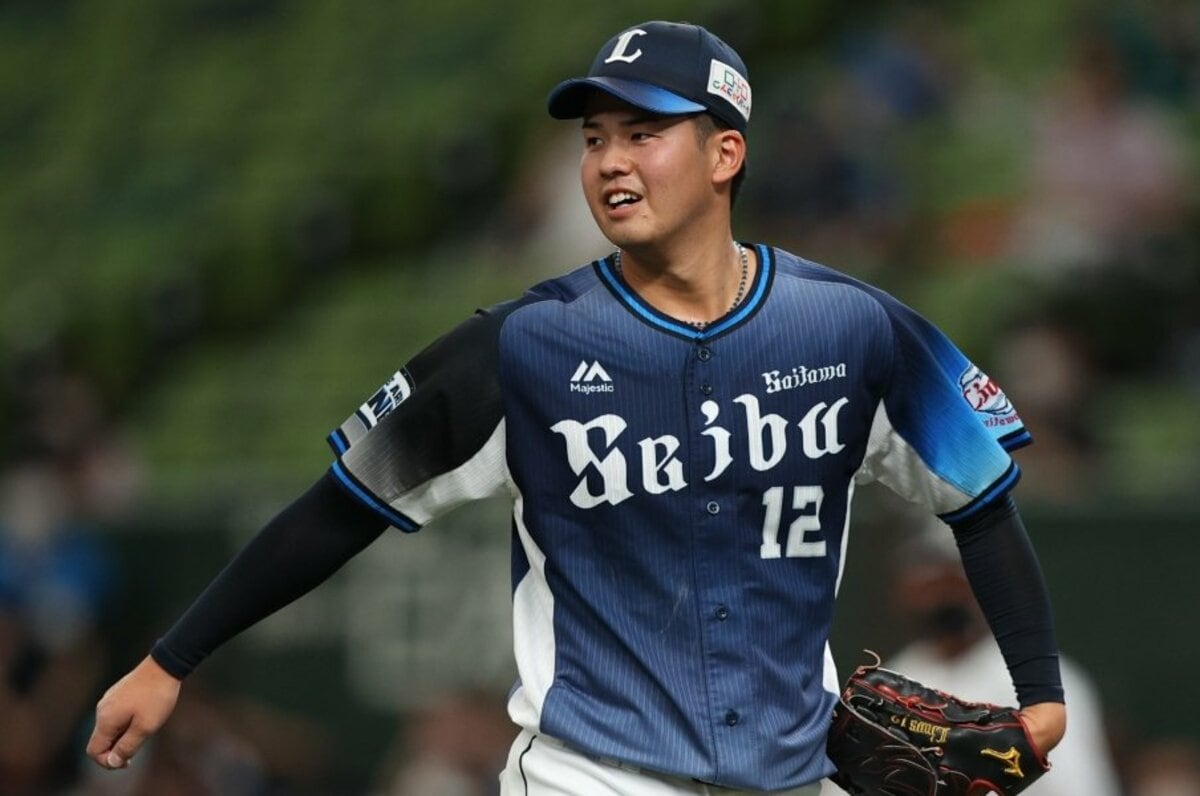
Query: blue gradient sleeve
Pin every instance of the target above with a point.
(944, 429)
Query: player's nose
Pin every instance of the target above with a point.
(615, 161)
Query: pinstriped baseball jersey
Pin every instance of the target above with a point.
(681, 497)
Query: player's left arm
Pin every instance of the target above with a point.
(1006, 578)
(942, 438)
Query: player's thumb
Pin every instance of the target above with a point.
(108, 729)
(126, 746)
(118, 735)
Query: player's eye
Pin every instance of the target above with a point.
(591, 141)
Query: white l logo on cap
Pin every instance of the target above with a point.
(618, 53)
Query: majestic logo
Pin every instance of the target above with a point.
(802, 376)
(591, 378)
(727, 83)
(387, 398)
(1011, 759)
(983, 394)
(767, 442)
(618, 53)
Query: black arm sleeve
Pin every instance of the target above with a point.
(1007, 580)
(297, 550)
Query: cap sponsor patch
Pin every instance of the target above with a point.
(727, 83)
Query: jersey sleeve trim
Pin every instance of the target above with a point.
(368, 499)
(337, 440)
(998, 489)
(1016, 440)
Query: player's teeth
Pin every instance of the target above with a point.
(618, 198)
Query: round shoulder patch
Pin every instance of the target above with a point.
(983, 394)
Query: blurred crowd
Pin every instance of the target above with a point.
(1080, 193)
(68, 475)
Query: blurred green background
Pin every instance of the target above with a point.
(223, 223)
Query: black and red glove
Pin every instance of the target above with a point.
(892, 736)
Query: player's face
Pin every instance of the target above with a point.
(647, 178)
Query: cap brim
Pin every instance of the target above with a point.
(568, 99)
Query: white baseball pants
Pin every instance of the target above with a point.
(539, 765)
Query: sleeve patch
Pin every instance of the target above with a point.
(984, 395)
(386, 399)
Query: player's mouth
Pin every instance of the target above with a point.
(617, 203)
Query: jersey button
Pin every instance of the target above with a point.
(722, 613)
(706, 389)
(704, 355)
(713, 507)
(732, 718)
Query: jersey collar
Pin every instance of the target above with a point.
(606, 270)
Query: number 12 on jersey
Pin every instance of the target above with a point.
(803, 536)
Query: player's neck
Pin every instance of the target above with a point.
(696, 280)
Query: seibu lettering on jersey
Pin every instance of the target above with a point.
(766, 437)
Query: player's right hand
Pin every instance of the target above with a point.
(130, 712)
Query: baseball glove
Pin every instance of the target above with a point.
(892, 736)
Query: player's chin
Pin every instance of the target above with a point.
(624, 234)
(620, 229)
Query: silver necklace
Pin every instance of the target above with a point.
(737, 297)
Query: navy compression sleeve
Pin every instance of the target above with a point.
(297, 550)
(1007, 580)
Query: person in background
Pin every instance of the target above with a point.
(953, 650)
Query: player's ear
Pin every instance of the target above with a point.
(728, 149)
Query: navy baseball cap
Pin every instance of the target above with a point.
(663, 67)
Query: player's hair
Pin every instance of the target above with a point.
(706, 126)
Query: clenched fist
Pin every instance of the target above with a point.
(132, 710)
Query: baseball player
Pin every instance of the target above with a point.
(681, 426)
